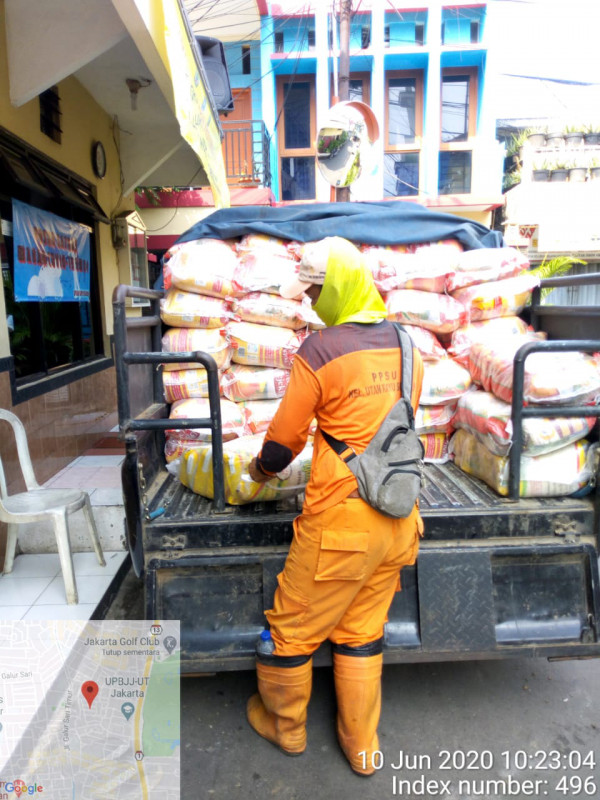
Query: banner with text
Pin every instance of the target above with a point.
(51, 257)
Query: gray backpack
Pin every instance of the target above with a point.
(390, 470)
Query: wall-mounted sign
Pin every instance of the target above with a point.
(51, 257)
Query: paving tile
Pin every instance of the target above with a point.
(13, 612)
(15, 591)
(99, 461)
(90, 590)
(80, 611)
(87, 564)
(106, 497)
(36, 565)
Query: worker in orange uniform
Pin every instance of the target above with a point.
(344, 563)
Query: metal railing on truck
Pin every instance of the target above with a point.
(124, 359)
(520, 411)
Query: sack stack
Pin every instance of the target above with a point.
(222, 297)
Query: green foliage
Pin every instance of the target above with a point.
(553, 268)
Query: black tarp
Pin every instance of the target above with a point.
(363, 223)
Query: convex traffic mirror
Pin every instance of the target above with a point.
(344, 140)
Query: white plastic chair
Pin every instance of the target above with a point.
(38, 504)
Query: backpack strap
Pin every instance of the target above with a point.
(344, 451)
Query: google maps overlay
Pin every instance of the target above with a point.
(89, 710)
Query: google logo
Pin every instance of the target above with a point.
(19, 787)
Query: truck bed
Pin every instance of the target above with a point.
(494, 578)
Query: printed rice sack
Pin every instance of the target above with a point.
(175, 448)
(489, 420)
(426, 270)
(497, 299)
(435, 419)
(233, 420)
(270, 309)
(549, 377)
(436, 312)
(263, 345)
(203, 266)
(263, 272)
(486, 264)
(208, 340)
(196, 472)
(189, 310)
(443, 381)
(560, 472)
(259, 414)
(181, 384)
(241, 382)
(261, 243)
(435, 446)
(426, 343)
(493, 330)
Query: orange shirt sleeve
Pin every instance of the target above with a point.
(290, 425)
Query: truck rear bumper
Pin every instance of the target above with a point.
(470, 600)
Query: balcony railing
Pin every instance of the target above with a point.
(246, 150)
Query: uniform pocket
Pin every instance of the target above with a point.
(343, 556)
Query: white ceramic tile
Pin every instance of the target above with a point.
(15, 591)
(13, 612)
(80, 611)
(90, 589)
(97, 461)
(116, 429)
(106, 497)
(36, 565)
(87, 564)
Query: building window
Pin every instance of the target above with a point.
(296, 136)
(404, 128)
(455, 172)
(279, 41)
(420, 33)
(311, 38)
(386, 36)
(402, 110)
(456, 107)
(365, 37)
(50, 114)
(246, 60)
(46, 336)
(401, 175)
(298, 178)
(474, 31)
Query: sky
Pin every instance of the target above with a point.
(550, 38)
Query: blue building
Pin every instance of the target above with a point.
(426, 72)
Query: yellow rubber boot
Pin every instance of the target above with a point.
(278, 711)
(358, 691)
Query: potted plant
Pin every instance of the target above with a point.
(541, 171)
(594, 168)
(577, 173)
(554, 139)
(592, 133)
(573, 134)
(559, 171)
(536, 137)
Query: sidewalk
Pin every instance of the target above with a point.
(35, 589)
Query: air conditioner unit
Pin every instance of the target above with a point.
(217, 74)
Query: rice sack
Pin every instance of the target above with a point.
(196, 472)
(203, 266)
(497, 299)
(208, 340)
(426, 342)
(486, 264)
(263, 345)
(560, 472)
(270, 309)
(233, 420)
(188, 310)
(443, 381)
(241, 382)
(488, 330)
(436, 312)
(489, 420)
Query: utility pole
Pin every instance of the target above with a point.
(343, 193)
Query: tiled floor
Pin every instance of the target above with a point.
(35, 588)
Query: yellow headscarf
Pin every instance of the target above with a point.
(348, 294)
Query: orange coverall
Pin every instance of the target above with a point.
(344, 562)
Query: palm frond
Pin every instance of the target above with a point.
(553, 268)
